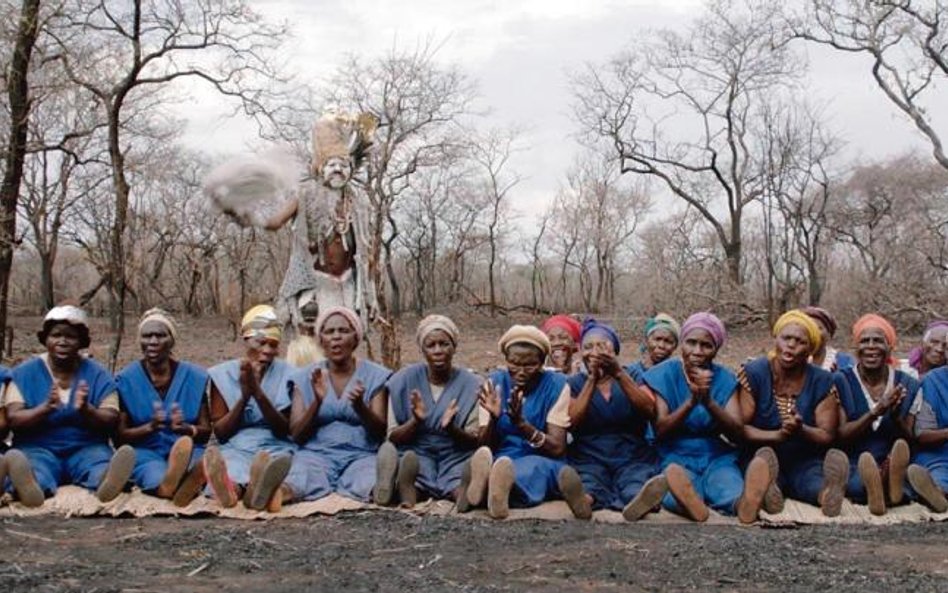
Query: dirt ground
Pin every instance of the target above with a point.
(389, 551)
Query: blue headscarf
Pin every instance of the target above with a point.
(592, 326)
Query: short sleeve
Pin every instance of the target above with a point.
(559, 413)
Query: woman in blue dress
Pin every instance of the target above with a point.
(432, 421)
(609, 417)
(791, 413)
(250, 406)
(928, 474)
(62, 407)
(338, 417)
(697, 407)
(164, 412)
(523, 422)
(876, 422)
(661, 340)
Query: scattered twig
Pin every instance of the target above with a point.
(29, 535)
(199, 569)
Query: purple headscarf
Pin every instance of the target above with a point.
(708, 322)
(591, 326)
(916, 353)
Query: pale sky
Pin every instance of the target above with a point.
(520, 52)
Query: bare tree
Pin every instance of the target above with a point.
(907, 41)
(145, 45)
(679, 108)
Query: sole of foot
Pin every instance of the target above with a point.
(499, 483)
(927, 489)
(681, 488)
(178, 460)
(571, 487)
(386, 467)
(191, 486)
(27, 489)
(405, 480)
(481, 464)
(117, 474)
(257, 464)
(773, 498)
(215, 470)
(835, 478)
(271, 478)
(462, 504)
(899, 458)
(872, 480)
(649, 497)
(756, 482)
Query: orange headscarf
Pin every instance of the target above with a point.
(871, 320)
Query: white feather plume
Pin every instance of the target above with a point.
(251, 188)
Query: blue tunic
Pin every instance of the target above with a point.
(62, 448)
(697, 446)
(340, 456)
(254, 433)
(440, 458)
(609, 450)
(935, 392)
(4, 377)
(535, 474)
(139, 397)
(878, 442)
(801, 462)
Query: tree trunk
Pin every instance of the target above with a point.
(19, 104)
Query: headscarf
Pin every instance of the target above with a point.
(591, 326)
(524, 334)
(871, 320)
(261, 321)
(804, 320)
(823, 316)
(70, 314)
(348, 314)
(162, 317)
(662, 321)
(434, 323)
(708, 322)
(916, 353)
(572, 327)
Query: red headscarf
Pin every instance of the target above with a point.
(566, 322)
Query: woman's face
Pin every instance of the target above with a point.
(262, 351)
(872, 350)
(438, 350)
(596, 343)
(63, 342)
(562, 346)
(933, 349)
(524, 363)
(697, 349)
(792, 345)
(338, 338)
(156, 341)
(660, 344)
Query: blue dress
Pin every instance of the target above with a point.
(254, 433)
(609, 450)
(340, 456)
(62, 449)
(139, 396)
(4, 378)
(440, 458)
(710, 462)
(801, 462)
(935, 392)
(535, 474)
(878, 441)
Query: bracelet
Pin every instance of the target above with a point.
(194, 431)
(537, 439)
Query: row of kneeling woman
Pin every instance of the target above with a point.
(680, 432)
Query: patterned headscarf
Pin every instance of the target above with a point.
(261, 322)
(662, 321)
(162, 317)
(823, 316)
(708, 322)
(799, 317)
(591, 326)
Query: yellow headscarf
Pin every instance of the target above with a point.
(798, 317)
